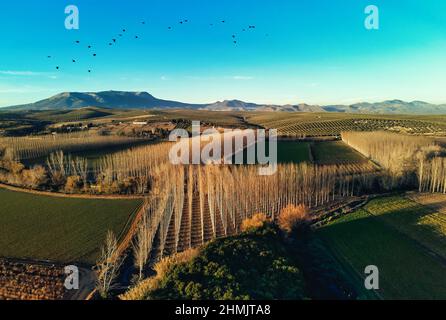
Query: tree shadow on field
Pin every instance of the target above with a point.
(421, 223)
(408, 269)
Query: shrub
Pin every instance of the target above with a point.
(292, 217)
(162, 268)
(34, 177)
(258, 220)
(73, 184)
(254, 265)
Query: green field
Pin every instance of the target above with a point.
(287, 152)
(419, 222)
(325, 152)
(335, 152)
(408, 269)
(59, 229)
(293, 152)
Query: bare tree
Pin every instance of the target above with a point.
(108, 265)
(142, 244)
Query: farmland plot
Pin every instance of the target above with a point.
(315, 125)
(406, 269)
(418, 222)
(293, 152)
(59, 229)
(335, 152)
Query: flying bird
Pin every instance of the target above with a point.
(94, 54)
(114, 40)
(89, 47)
(57, 68)
(73, 60)
(136, 37)
(49, 57)
(77, 41)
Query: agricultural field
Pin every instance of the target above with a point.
(22, 148)
(335, 152)
(332, 124)
(288, 152)
(390, 233)
(416, 221)
(435, 201)
(92, 155)
(293, 152)
(59, 229)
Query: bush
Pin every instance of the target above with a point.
(258, 220)
(73, 184)
(293, 217)
(162, 268)
(35, 177)
(254, 265)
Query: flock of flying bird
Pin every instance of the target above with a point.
(124, 31)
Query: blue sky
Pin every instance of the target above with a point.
(313, 51)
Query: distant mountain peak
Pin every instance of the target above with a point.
(113, 99)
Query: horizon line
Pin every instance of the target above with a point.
(233, 99)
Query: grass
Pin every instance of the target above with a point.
(418, 222)
(287, 152)
(335, 152)
(59, 229)
(407, 269)
(293, 152)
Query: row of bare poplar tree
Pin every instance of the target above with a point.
(226, 196)
(31, 147)
(409, 160)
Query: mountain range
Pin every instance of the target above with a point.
(144, 100)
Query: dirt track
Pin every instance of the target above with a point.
(66, 195)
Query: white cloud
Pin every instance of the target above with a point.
(21, 73)
(242, 78)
